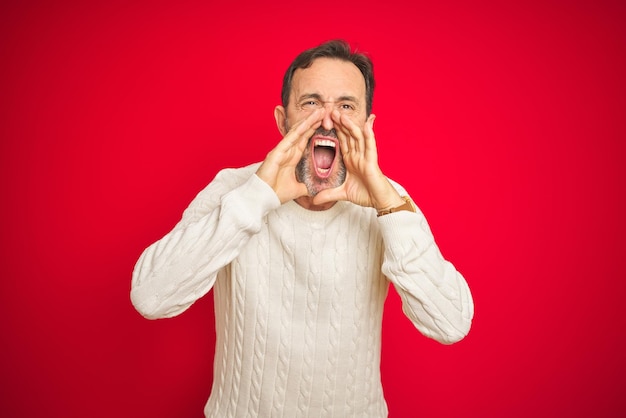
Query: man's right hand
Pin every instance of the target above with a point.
(278, 169)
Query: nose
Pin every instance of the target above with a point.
(327, 122)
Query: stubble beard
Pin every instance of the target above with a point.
(305, 172)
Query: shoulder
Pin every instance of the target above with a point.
(224, 181)
(235, 177)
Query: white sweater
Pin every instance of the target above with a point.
(298, 295)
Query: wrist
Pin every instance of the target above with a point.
(406, 204)
(386, 196)
(390, 203)
(390, 199)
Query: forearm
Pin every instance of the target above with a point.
(435, 296)
(181, 267)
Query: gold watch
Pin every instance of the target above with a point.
(407, 205)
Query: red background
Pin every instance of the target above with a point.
(505, 122)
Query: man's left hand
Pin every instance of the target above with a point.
(365, 183)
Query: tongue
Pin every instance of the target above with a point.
(324, 157)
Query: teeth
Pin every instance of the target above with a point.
(324, 143)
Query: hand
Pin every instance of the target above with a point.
(365, 183)
(279, 167)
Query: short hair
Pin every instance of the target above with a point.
(338, 49)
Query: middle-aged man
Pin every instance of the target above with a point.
(300, 250)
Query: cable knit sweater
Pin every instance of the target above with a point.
(299, 296)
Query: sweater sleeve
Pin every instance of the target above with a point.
(181, 267)
(435, 296)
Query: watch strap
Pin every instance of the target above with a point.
(408, 205)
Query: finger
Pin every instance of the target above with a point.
(312, 121)
(351, 143)
(330, 195)
(303, 130)
(336, 117)
(370, 138)
(352, 132)
(342, 133)
(355, 132)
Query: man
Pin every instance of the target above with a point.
(299, 251)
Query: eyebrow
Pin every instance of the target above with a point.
(317, 96)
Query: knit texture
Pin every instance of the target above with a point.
(299, 296)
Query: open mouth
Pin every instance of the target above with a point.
(324, 151)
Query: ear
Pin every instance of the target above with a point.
(281, 117)
(371, 119)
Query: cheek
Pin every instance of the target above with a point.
(292, 116)
(289, 123)
(360, 120)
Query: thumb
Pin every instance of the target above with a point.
(330, 195)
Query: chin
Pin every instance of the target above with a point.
(305, 173)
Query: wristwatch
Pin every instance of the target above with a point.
(407, 205)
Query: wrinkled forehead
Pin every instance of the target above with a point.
(329, 78)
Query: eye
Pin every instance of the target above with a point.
(346, 107)
(310, 104)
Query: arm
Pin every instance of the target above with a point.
(435, 296)
(181, 267)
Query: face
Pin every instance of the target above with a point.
(332, 84)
